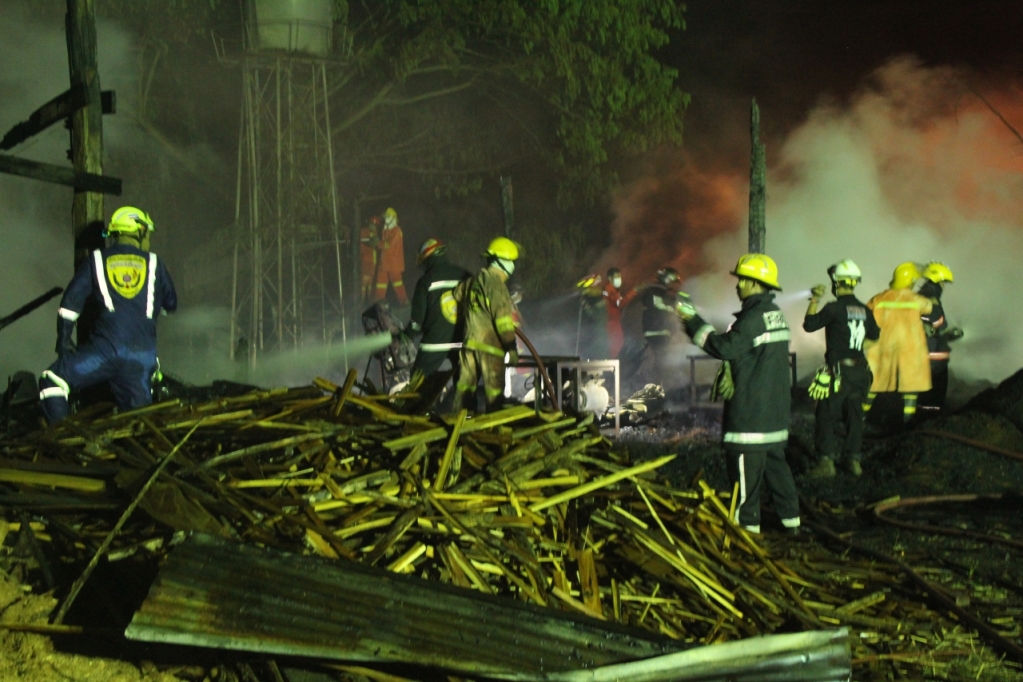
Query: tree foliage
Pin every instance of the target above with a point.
(450, 90)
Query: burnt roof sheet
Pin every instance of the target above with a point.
(215, 593)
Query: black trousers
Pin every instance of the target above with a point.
(843, 411)
(428, 362)
(752, 470)
(934, 399)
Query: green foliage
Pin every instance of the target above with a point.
(487, 83)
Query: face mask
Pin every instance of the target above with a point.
(616, 282)
(506, 265)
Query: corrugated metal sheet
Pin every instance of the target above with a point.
(820, 656)
(215, 593)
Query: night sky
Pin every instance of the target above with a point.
(791, 53)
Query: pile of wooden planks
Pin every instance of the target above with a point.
(533, 506)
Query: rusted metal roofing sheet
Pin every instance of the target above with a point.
(215, 593)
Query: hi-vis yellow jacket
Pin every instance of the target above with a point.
(899, 359)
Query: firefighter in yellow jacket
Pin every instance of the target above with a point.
(899, 360)
(489, 325)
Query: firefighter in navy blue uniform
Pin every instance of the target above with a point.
(131, 287)
(939, 335)
(435, 311)
(658, 300)
(755, 427)
(841, 386)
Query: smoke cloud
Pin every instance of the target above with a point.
(915, 166)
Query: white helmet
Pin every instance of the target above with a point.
(845, 271)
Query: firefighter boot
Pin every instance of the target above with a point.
(824, 469)
(853, 467)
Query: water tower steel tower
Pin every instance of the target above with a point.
(287, 287)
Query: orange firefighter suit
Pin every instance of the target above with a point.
(390, 264)
(367, 260)
(899, 359)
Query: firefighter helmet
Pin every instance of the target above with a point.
(129, 219)
(390, 217)
(938, 272)
(667, 276)
(503, 248)
(905, 275)
(758, 267)
(430, 248)
(845, 271)
(588, 282)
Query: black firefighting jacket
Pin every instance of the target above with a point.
(847, 323)
(658, 310)
(434, 309)
(757, 347)
(935, 324)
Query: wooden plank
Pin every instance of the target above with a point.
(90, 485)
(60, 175)
(57, 109)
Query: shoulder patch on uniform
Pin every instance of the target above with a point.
(127, 273)
(855, 312)
(773, 319)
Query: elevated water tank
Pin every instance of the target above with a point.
(291, 25)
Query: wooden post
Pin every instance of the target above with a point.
(86, 124)
(757, 185)
(506, 203)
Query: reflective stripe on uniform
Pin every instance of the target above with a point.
(473, 344)
(939, 356)
(151, 298)
(790, 523)
(904, 305)
(772, 337)
(700, 337)
(742, 486)
(443, 284)
(70, 315)
(433, 347)
(754, 438)
(101, 280)
(505, 323)
(62, 386)
(659, 303)
(663, 332)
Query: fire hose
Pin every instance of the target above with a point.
(543, 370)
(928, 528)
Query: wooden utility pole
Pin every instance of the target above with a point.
(507, 204)
(757, 185)
(86, 124)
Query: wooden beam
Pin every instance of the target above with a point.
(61, 175)
(57, 109)
(86, 129)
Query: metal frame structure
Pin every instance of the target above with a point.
(694, 388)
(573, 365)
(287, 284)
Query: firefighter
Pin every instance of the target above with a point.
(434, 311)
(939, 334)
(369, 238)
(391, 260)
(659, 320)
(489, 325)
(841, 386)
(131, 287)
(757, 399)
(899, 360)
(616, 302)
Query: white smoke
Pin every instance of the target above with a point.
(915, 168)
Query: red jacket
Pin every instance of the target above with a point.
(392, 250)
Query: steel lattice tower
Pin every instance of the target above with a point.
(287, 288)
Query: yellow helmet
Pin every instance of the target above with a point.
(758, 267)
(904, 276)
(938, 272)
(503, 248)
(129, 219)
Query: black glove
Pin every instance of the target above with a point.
(65, 344)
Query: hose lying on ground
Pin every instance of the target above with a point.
(927, 528)
(980, 445)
